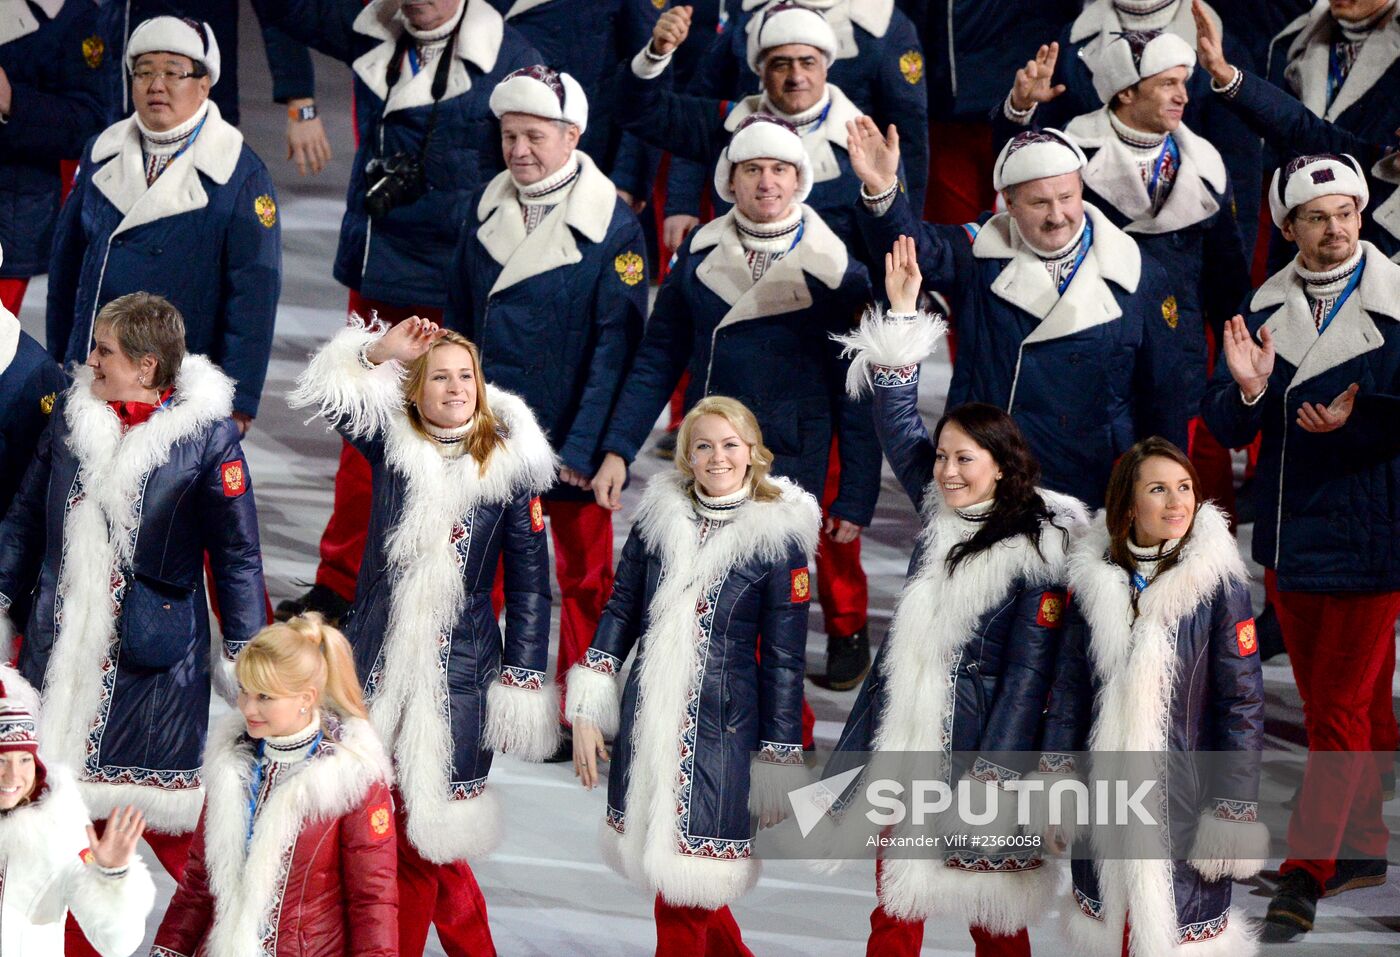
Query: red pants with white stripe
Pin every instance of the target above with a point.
(172, 850)
(697, 932)
(892, 937)
(445, 896)
(1342, 648)
(343, 542)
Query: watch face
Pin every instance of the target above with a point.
(307, 113)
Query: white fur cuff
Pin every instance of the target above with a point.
(116, 908)
(225, 679)
(7, 637)
(769, 787)
(883, 342)
(522, 722)
(593, 696)
(1057, 800)
(342, 389)
(1233, 849)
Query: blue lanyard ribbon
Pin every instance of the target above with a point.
(413, 62)
(1139, 582)
(1085, 242)
(801, 228)
(1171, 153)
(1352, 283)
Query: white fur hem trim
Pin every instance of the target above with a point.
(450, 831)
(770, 784)
(919, 889)
(1233, 849)
(123, 902)
(1064, 800)
(888, 342)
(680, 879)
(1093, 938)
(593, 696)
(522, 722)
(166, 812)
(337, 383)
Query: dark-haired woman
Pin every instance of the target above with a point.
(1160, 656)
(969, 656)
(458, 468)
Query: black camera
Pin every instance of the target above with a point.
(396, 181)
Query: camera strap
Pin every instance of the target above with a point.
(441, 71)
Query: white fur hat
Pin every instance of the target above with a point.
(175, 35)
(1305, 178)
(787, 22)
(541, 91)
(1036, 154)
(764, 136)
(1134, 56)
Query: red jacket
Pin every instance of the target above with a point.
(319, 876)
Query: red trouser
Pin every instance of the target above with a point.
(343, 541)
(1342, 648)
(172, 850)
(1212, 460)
(446, 896)
(892, 937)
(697, 932)
(960, 160)
(583, 563)
(12, 293)
(842, 589)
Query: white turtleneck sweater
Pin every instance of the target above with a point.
(1146, 14)
(538, 199)
(970, 518)
(283, 756)
(1144, 149)
(1323, 289)
(1059, 263)
(715, 510)
(766, 243)
(1149, 559)
(806, 122)
(158, 150)
(429, 44)
(450, 443)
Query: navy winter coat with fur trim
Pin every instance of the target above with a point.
(405, 257)
(445, 689)
(1102, 369)
(1328, 514)
(29, 387)
(1182, 676)
(56, 67)
(106, 519)
(693, 596)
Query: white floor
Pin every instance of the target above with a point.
(547, 890)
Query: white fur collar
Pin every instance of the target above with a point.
(244, 881)
(478, 42)
(1100, 22)
(1353, 332)
(1113, 173)
(589, 209)
(725, 270)
(17, 20)
(820, 143)
(872, 16)
(1114, 258)
(121, 176)
(1309, 56)
(1387, 214)
(33, 830)
(9, 338)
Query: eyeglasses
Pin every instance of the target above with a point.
(1343, 218)
(147, 77)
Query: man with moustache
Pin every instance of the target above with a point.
(1315, 370)
(1059, 315)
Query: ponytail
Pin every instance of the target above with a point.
(287, 658)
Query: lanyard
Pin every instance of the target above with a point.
(1085, 242)
(1170, 154)
(1352, 283)
(189, 142)
(1339, 64)
(255, 783)
(801, 227)
(1139, 582)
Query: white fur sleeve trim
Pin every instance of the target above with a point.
(770, 784)
(1050, 803)
(522, 721)
(1234, 849)
(340, 386)
(648, 66)
(112, 911)
(883, 342)
(593, 696)
(224, 678)
(7, 635)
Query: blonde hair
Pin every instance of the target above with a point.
(761, 488)
(303, 654)
(145, 324)
(485, 436)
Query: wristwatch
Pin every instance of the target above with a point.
(302, 113)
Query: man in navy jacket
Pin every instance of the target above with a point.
(29, 385)
(1315, 369)
(549, 281)
(1156, 179)
(172, 201)
(747, 310)
(427, 67)
(1062, 320)
(52, 66)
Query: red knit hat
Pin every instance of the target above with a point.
(19, 731)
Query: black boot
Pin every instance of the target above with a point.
(1354, 874)
(847, 660)
(1293, 908)
(318, 598)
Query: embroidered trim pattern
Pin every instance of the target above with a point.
(522, 678)
(1057, 762)
(616, 820)
(1242, 812)
(267, 927)
(602, 662)
(892, 377)
(1088, 906)
(992, 865)
(991, 772)
(158, 951)
(465, 790)
(1202, 930)
(772, 752)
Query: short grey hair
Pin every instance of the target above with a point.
(145, 324)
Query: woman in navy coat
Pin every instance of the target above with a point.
(458, 470)
(718, 554)
(1160, 656)
(138, 476)
(986, 595)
